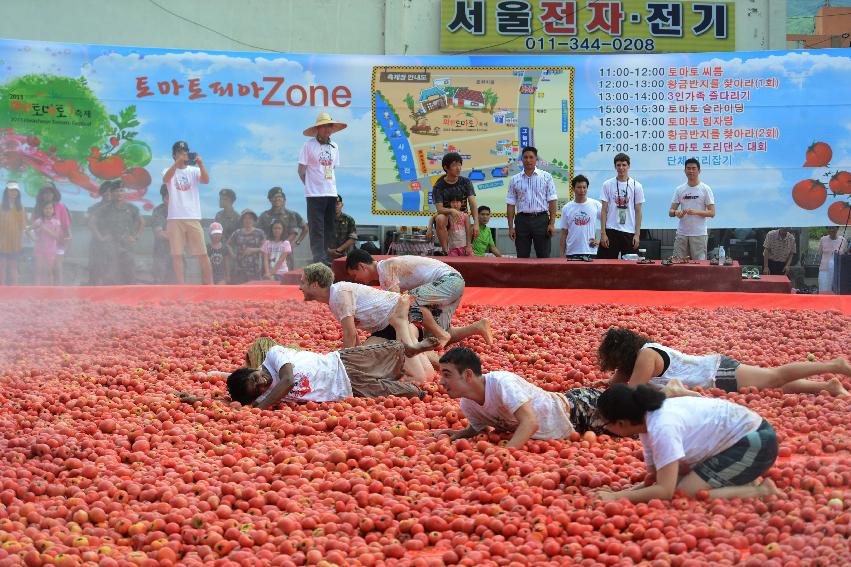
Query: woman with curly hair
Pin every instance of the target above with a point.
(635, 359)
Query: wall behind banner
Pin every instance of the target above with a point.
(392, 27)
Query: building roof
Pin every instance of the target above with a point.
(472, 96)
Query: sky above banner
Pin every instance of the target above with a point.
(80, 114)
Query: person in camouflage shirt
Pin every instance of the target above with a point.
(97, 266)
(294, 228)
(227, 216)
(345, 232)
(162, 268)
(120, 225)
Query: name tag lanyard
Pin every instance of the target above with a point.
(622, 201)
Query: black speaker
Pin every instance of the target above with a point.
(653, 247)
(744, 252)
(842, 274)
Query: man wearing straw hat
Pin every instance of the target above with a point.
(317, 161)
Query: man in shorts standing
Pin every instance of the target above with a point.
(693, 203)
(184, 211)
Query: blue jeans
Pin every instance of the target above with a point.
(320, 225)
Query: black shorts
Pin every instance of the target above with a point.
(583, 410)
(389, 333)
(725, 377)
(743, 462)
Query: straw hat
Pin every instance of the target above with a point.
(321, 120)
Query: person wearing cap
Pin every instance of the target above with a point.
(317, 163)
(345, 232)
(13, 220)
(217, 252)
(246, 250)
(97, 257)
(184, 211)
(294, 227)
(162, 268)
(227, 216)
(120, 225)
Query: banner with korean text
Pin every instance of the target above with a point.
(770, 129)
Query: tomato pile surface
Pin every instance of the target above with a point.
(100, 464)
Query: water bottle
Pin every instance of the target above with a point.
(722, 256)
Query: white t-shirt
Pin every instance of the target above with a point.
(321, 161)
(693, 429)
(370, 307)
(622, 196)
(184, 199)
(580, 220)
(407, 272)
(505, 392)
(692, 371)
(698, 197)
(318, 377)
(828, 247)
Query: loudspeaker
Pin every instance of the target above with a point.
(842, 274)
(653, 247)
(744, 252)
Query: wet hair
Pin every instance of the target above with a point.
(692, 160)
(318, 273)
(619, 349)
(579, 179)
(532, 149)
(483, 208)
(623, 402)
(7, 201)
(163, 190)
(449, 159)
(463, 359)
(272, 225)
(621, 157)
(357, 257)
(237, 386)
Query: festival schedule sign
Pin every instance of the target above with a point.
(602, 26)
(767, 127)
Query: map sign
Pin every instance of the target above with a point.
(485, 114)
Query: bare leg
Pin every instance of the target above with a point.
(177, 264)
(206, 269)
(441, 225)
(57, 269)
(399, 322)
(482, 327)
(433, 328)
(40, 270)
(691, 484)
(675, 389)
(788, 375)
(832, 386)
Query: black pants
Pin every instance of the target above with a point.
(320, 224)
(620, 242)
(532, 229)
(776, 268)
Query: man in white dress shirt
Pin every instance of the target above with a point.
(531, 202)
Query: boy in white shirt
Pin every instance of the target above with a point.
(579, 220)
(693, 203)
(622, 198)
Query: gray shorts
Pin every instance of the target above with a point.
(441, 297)
(692, 246)
(725, 377)
(742, 463)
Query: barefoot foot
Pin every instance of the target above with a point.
(835, 387)
(768, 488)
(428, 343)
(403, 306)
(842, 366)
(483, 326)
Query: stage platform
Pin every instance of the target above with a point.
(558, 273)
(140, 294)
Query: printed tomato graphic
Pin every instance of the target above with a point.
(840, 183)
(809, 194)
(818, 155)
(839, 213)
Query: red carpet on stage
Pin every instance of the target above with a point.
(472, 296)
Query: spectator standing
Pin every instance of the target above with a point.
(829, 243)
(294, 228)
(162, 268)
(317, 162)
(246, 248)
(13, 221)
(227, 215)
(579, 219)
(184, 211)
(120, 223)
(345, 232)
(484, 242)
(218, 254)
(693, 203)
(622, 198)
(275, 251)
(778, 250)
(48, 236)
(50, 194)
(450, 183)
(97, 261)
(532, 198)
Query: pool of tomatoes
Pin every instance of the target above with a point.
(100, 464)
